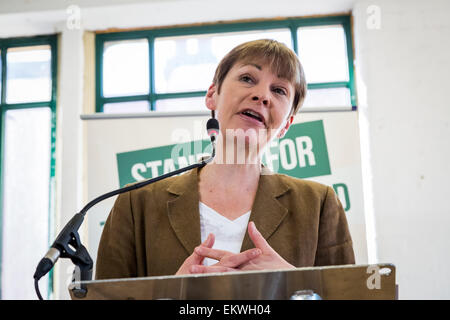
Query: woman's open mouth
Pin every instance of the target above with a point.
(253, 116)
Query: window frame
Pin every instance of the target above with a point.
(5, 44)
(291, 23)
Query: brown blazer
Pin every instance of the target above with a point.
(152, 230)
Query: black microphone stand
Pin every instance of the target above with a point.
(68, 244)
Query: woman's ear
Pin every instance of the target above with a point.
(286, 127)
(210, 98)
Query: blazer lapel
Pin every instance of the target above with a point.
(183, 210)
(267, 212)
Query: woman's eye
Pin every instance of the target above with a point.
(280, 91)
(246, 79)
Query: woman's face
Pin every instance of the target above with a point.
(254, 99)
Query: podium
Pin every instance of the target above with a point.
(353, 282)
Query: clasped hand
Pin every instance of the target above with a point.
(262, 257)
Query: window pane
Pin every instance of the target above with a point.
(26, 170)
(28, 74)
(187, 63)
(333, 97)
(323, 53)
(181, 104)
(126, 107)
(125, 68)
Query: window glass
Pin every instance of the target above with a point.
(187, 63)
(332, 97)
(323, 53)
(126, 107)
(125, 68)
(28, 74)
(25, 221)
(181, 104)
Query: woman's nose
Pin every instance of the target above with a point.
(263, 99)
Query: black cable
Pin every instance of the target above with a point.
(36, 287)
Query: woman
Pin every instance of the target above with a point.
(199, 222)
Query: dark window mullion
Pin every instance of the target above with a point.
(140, 97)
(27, 105)
(176, 95)
(328, 85)
(293, 29)
(154, 97)
(54, 74)
(151, 72)
(99, 47)
(349, 43)
(3, 75)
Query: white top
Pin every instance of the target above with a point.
(229, 234)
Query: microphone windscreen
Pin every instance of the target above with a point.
(212, 126)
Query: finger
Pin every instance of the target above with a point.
(227, 258)
(208, 243)
(209, 269)
(257, 238)
(236, 260)
(215, 254)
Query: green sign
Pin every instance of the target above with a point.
(302, 153)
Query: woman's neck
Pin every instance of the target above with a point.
(231, 175)
(229, 189)
(238, 155)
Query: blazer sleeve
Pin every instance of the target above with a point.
(334, 242)
(116, 257)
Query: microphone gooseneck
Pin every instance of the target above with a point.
(68, 244)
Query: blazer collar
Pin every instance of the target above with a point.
(183, 210)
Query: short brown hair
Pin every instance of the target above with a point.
(283, 61)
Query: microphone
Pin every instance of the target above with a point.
(212, 127)
(68, 244)
(61, 246)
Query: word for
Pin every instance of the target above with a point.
(291, 154)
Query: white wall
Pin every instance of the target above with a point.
(402, 73)
(403, 83)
